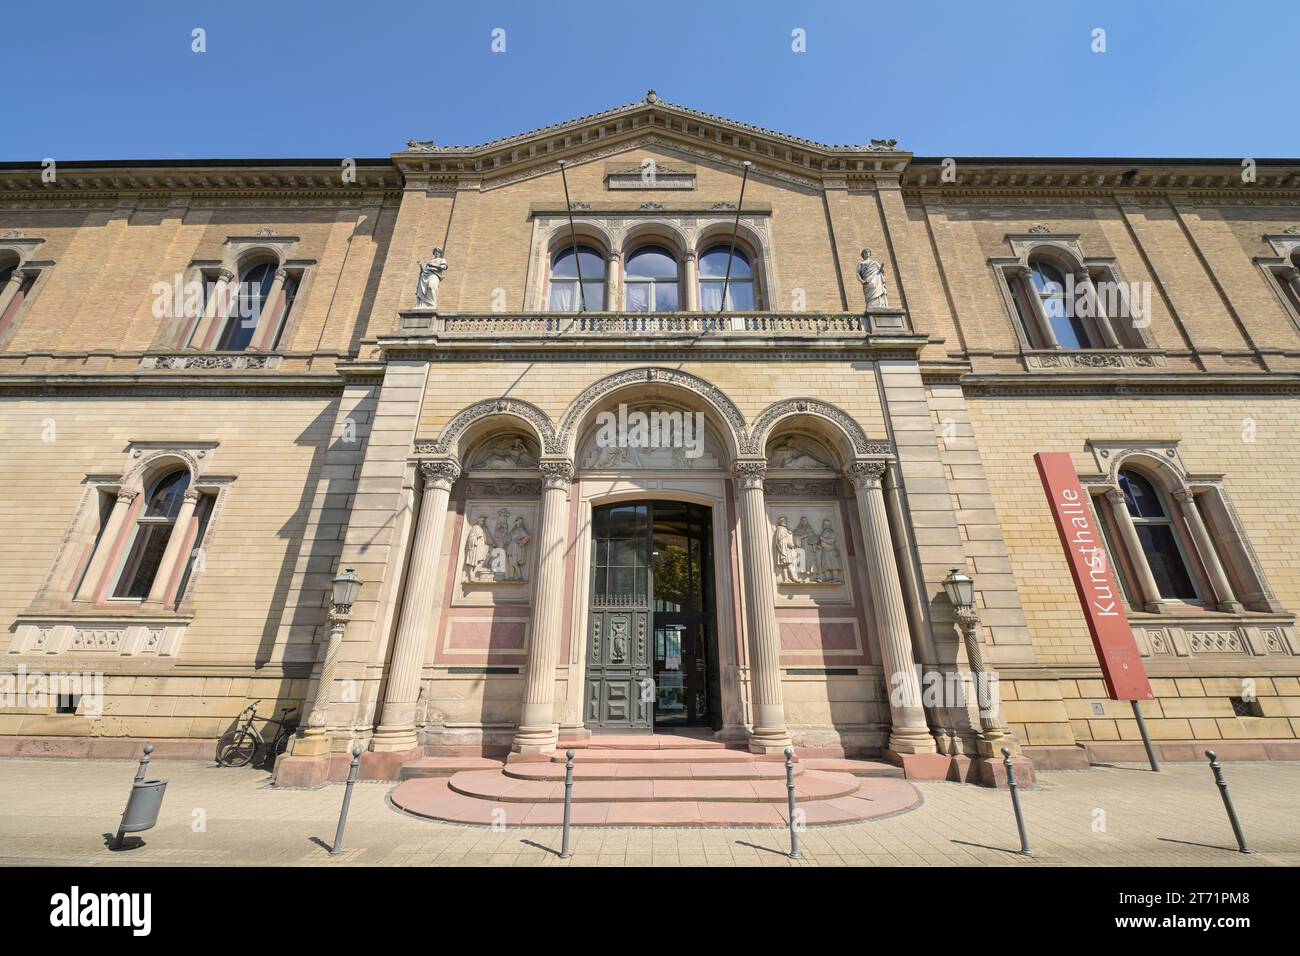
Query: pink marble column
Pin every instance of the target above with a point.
(171, 554)
(108, 544)
(538, 731)
(769, 734)
(396, 730)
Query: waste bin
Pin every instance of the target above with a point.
(142, 807)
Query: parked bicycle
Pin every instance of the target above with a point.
(246, 744)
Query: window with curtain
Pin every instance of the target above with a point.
(1155, 531)
(1049, 285)
(564, 281)
(652, 281)
(740, 295)
(153, 528)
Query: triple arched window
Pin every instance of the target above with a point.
(1071, 306)
(655, 278)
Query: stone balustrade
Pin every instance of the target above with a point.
(618, 325)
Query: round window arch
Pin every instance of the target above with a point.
(653, 280)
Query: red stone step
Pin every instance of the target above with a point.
(445, 766)
(682, 755)
(858, 766)
(434, 799)
(660, 742)
(650, 771)
(492, 785)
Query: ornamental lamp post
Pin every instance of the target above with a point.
(344, 591)
(960, 588)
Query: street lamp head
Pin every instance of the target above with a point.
(346, 588)
(960, 587)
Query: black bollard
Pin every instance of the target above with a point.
(144, 763)
(568, 803)
(347, 800)
(1227, 802)
(1015, 801)
(789, 787)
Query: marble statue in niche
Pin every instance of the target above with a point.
(789, 454)
(871, 273)
(431, 273)
(506, 453)
(497, 553)
(830, 567)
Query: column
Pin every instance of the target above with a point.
(215, 309)
(614, 282)
(1146, 581)
(1026, 278)
(171, 554)
(909, 733)
(396, 730)
(107, 544)
(692, 282)
(10, 290)
(1099, 314)
(538, 731)
(272, 314)
(1224, 596)
(769, 734)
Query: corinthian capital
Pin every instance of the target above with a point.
(439, 473)
(128, 495)
(749, 473)
(556, 473)
(866, 474)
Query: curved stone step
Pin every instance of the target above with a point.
(669, 755)
(858, 766)
(491, 785)
(434, 799)
(651, 771)
(445, 766)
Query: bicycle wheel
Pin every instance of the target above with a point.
(238, 748)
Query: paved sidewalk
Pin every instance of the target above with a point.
(58, 812)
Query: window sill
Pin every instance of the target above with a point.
(1190, 632)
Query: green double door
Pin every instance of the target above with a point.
(651, 656)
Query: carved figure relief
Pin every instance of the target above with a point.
(504, 453)
(497, 548)
(796, 454)
(808, 554)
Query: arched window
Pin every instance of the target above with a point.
(153, 528)
(713, 276)
(1155, 531)
(652, 282)
(247, 308)
(564, 281)
(1049, 285)
(15, 285)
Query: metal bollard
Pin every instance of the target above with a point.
(1015, 801)
(144, 763)
(568, 803)
(789, 788)
(347, 799)
(1227, 802)
(1146, 738)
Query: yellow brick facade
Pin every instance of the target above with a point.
(315, 453)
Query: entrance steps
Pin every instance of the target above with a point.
(652, 781)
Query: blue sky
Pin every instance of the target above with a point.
(118, 80)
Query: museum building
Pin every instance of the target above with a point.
(647, 422)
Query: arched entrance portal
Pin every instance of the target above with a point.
(653, 660)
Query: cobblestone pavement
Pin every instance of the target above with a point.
(59, 812)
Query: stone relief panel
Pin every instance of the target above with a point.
(504, 453)
(809, 557)
(650, 438)
(497, 545)
(798, 453)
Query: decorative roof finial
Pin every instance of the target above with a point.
(651, 96)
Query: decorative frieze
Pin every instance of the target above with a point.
(121, 638)
(199, 362)
(1201, 638)
(1097, 359)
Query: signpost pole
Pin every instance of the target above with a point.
(1146, 738)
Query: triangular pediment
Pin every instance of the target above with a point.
(650, 122)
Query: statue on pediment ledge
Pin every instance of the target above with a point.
(871, 273)
(431, 273)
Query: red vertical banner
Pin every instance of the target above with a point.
(1095, 582)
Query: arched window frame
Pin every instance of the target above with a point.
(744, 251)
(1282, 271)
(1105, 314)
(653, 283)
(598, 297)
(220, 283)
(20, 274)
